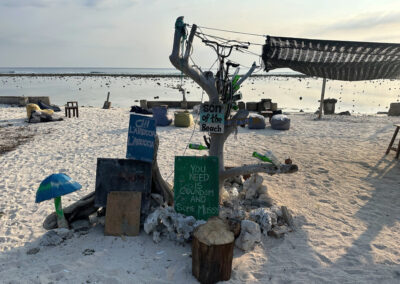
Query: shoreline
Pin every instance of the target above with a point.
(131, 75)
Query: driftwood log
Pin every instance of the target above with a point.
(78, 210)
(212, 251)
(85, 206)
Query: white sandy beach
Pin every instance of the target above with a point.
(345, 200)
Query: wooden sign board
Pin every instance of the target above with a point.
(122, 175)
(196, 186)
(141, 137)
(212, 118)
(123, 213)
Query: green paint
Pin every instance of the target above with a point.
(44, 187)
(196, 186)
(59, 210)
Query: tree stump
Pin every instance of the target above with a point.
(212, 251)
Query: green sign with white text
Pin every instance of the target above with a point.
(196, 186)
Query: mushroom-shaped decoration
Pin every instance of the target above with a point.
(55, 186)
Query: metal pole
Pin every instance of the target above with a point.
(322, 98)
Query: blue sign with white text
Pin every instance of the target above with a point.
(141, 137)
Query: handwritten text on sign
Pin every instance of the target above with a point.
(141, 136)
(212, 118)
(196, 186)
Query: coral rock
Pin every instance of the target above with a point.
(264, 217)
(250, 235)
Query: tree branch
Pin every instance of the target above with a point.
(205, 80)
(241, 114)
(257, 168)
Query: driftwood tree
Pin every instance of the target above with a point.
(209, 83)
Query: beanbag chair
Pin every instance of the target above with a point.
(183, 119)
(35, 107)
(40, 116)
(256, 121)
(160, 114)
(138, 109)
(42, 105)
(280, 122)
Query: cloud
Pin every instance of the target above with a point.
(102, 4)
(366, 21)
(28, 3)
(379, 26)
(99, 4)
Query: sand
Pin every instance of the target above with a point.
(345, 200)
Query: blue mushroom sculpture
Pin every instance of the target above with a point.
(55, 186)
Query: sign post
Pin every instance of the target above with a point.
(196, 186)
(141, 137)
(212, 117)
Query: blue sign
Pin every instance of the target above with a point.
(141, 137)
(212, 117)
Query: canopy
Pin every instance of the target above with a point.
(338, 60)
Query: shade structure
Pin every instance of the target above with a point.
(56, 185)
(337, 60)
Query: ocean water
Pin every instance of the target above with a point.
(88, 70)
(291, 93)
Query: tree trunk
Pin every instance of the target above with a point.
(206, 80)
(158, 184)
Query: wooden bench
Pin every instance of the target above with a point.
(392, 141)
(72, 106)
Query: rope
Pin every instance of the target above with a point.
(222, 39)
(229, 31)
(191, 136)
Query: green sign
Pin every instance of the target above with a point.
(196, 186)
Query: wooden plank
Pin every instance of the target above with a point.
(392, 141)
(123, 213)
(322, 98)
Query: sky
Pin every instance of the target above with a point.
(139, 33)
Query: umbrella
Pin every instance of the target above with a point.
(55, 186)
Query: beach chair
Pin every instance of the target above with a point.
(392, 141)
(72, 106)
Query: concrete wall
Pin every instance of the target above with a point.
(172, 104)
(394, 109)
(22, 101)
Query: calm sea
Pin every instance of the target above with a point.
(291, 93)
(88, 70)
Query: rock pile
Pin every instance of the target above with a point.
(247, 209)
(165, 221)
(247, 203)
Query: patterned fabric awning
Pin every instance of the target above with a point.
(338, 60)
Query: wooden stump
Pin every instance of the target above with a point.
(212, 251)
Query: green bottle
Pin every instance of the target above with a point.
(234, 81)
(197, 147)
(262, 157)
